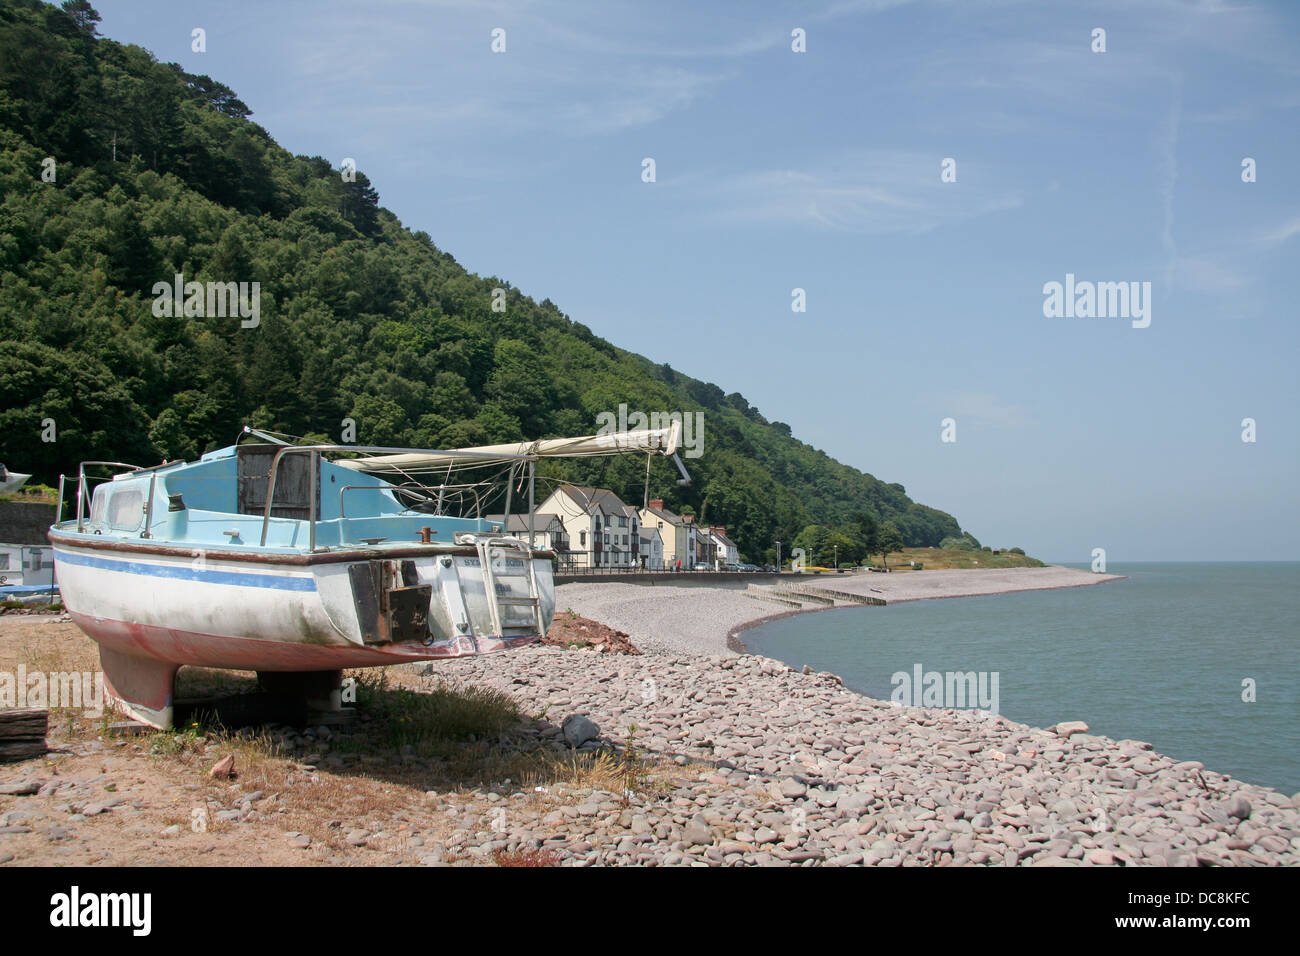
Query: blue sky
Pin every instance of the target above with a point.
(820, 170)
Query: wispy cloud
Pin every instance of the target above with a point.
(1199, 274)
(553, 76)
(870, 192)
(989, 411)
(1282, 233)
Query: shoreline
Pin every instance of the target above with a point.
(753, 762)
(704, 619)
(736, 644)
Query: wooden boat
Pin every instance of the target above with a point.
(296, 561)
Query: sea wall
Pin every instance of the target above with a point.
(25, 522)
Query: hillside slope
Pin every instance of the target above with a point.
(157, 172)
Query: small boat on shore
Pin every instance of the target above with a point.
(296, 561)
(11, 481)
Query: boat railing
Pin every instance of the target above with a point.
(313, 472)
(83, 498)
(455, 493)
(81, 488)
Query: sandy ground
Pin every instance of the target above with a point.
(694, 619)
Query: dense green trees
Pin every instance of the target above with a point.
(158, 172)
(890, 540)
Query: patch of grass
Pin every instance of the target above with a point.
(34, 492)
(429, 718)
(937, 559)
(627, 773)
(526, 857)
(54, 657)
(172, 743)
(12, 605)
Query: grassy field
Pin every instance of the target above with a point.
(41, 494)
(937, 559)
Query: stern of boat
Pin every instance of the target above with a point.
(489, 593)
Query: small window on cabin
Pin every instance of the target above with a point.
(125, 509)
(97, 503)
(4, 561)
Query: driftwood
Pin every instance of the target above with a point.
(22, 734)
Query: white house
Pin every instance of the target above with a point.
(602, 531)
(548, 532)
(652, 550)
(727, 552)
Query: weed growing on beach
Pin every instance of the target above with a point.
(427, 719)
(634, 774)
(627, 773)
(12, 605)
(171, 743)
(530, 856)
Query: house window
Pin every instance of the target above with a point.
(582, 538)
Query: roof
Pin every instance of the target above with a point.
(668, 516)
(722, 538)
(590, 500)
(519, 522)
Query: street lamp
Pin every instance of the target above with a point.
(778, 557)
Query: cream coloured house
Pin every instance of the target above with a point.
(677, 534)
(602, 531)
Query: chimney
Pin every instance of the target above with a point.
(657, 504)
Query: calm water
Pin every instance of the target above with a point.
(1160, 657)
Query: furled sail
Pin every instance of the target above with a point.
(651, 441)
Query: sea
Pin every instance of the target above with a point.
(1201, 660)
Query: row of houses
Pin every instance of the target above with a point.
(594, 528)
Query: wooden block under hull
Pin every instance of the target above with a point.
(22, 734)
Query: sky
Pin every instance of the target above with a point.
(824, 170)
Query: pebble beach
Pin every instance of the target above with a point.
(801, 771)
(751, 763)
(679, 616)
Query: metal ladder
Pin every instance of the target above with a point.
(507, 548)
